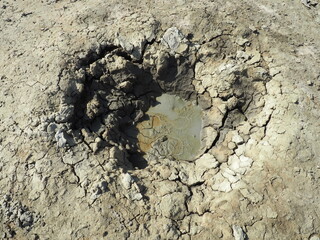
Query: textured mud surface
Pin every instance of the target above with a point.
(173, 129)
(159, 120)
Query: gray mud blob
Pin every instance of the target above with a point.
(172, 129)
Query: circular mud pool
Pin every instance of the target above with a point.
(171, 129)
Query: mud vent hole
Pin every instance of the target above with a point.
(170, 129)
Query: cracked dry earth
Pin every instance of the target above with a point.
(159, 119)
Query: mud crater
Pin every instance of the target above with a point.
(155, 107)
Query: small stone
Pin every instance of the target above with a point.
(126, 180)
(51, 128)
(137, 196)
(172, 38)
(232, 103)
(26, 219)
(60, 137)
(238, 233)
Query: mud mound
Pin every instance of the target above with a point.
(159, 120)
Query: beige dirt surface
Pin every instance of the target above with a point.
(77, 77)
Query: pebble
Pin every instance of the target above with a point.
(238, 233)
(61, 138)
(126, 180)
(172, 38)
